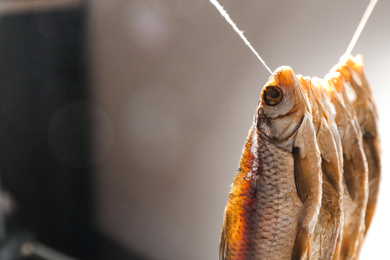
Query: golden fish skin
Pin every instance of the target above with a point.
(309, 173)
(355, 170)
(328, 229)
(275, 198)
(352, 70)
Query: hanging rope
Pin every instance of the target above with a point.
(351, 45)
(360, 27)
(240, 33)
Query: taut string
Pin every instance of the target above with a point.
(360, 27)
(240, 33)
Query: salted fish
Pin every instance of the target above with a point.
(308, 178)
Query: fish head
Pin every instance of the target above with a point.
(282, 106)
(351, 68)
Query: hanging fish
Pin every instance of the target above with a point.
(363, 104)
(309, 173)
(302, 188)
(361, 100)
(330, 220)
(355, 170)
(275, 198)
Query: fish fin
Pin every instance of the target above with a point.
(355, 163)
(222, 243)
(308, 180)
(372, 143)
(336, 255)
(331, 167)
(372, 151)
(301, 245)
(370, 124)
(356, 180)
(361, 240)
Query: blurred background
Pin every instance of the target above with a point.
(122, 121)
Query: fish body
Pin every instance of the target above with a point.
(355, 169)
(352, 70)
(329, 226)
(309, 172)
(267, 215)
(261, 217)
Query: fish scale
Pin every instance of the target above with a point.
(275, 225)
(306, 170)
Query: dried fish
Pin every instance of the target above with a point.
(330, 220)
(309, 172)
(276, 195)
(352, 71)
(355, 175)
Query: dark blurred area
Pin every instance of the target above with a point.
(45, 137)
(44, 147)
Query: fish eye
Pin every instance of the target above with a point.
(272, 95)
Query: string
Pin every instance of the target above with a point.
(360, 27)
(240, 33)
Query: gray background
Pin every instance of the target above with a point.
(175, 90)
